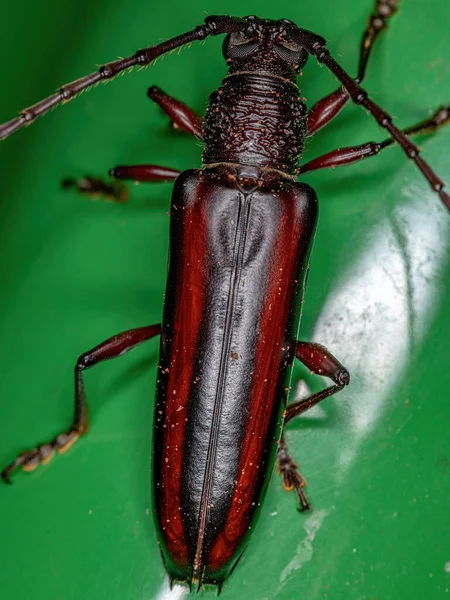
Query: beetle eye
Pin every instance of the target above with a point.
(240, 45)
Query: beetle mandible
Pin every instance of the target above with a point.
(249, 212)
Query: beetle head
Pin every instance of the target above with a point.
(265, 46)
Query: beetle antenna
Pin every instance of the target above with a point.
(214, 25)
(316, 45)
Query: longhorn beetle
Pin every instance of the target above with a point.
(241, 234)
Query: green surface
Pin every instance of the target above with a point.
(73, 272)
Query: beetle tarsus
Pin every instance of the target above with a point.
(41, 455)
(384, 9)
(292, 478)
(95, 187)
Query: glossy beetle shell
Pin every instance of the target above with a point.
(238, 260)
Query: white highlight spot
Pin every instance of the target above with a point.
(176, 593)
(304, 550)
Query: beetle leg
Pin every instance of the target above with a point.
(181, 115)
(326, 109)
(316, 46)
(94, 187)
(321, 362)
(111, 348)
(117, 191)
(145, 173)
(352, 154)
